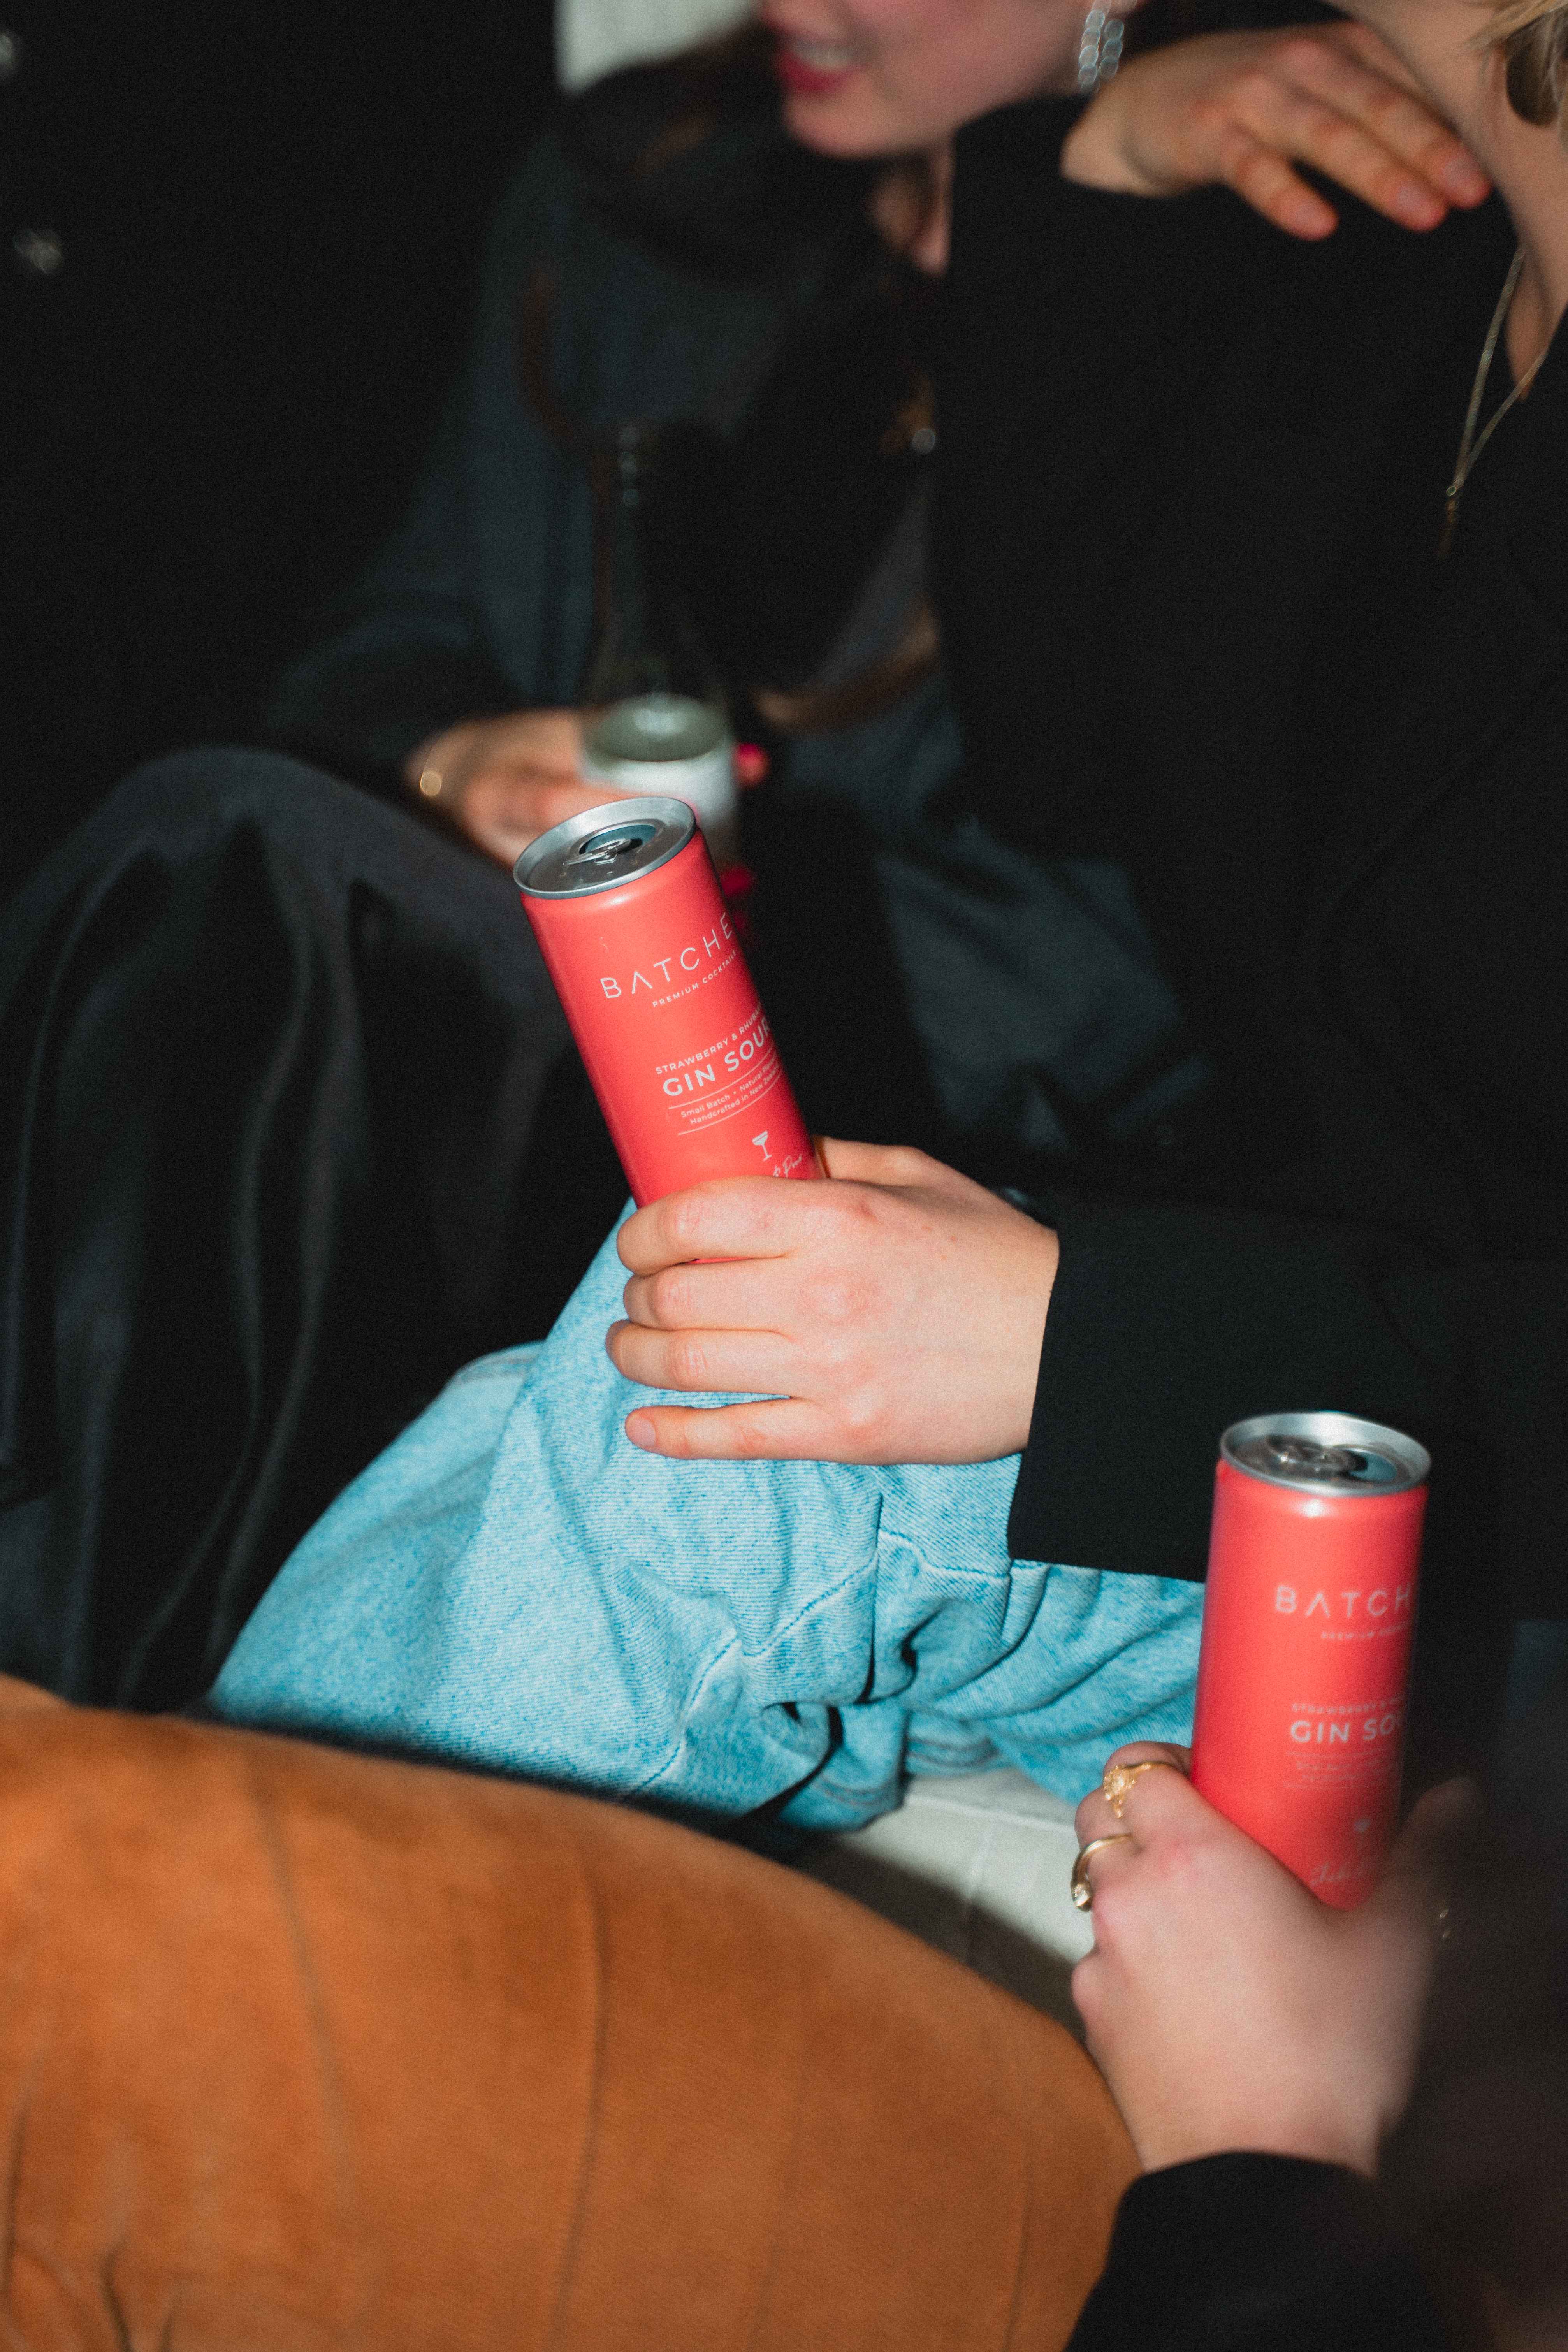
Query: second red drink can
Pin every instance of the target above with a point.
(636, 937)
(1309, 1608)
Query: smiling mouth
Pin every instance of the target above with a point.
(807, 65)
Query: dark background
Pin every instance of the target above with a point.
(238, 245)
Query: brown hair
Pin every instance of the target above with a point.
(1533, 36)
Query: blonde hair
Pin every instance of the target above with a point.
(1533, 36)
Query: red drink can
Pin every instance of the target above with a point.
(634, 930)
(1309, 1608)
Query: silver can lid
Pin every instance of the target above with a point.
(601, 847)
(1326, 1454)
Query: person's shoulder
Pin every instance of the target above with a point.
(1360, 318)
(1367, 242)
(1021, 229)
(1025, 236)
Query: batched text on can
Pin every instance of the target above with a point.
(633, 927)
(1309, 1614)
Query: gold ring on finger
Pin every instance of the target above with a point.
(1120, 1777)
(1078, 1885)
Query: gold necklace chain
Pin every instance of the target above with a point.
(1465, 462)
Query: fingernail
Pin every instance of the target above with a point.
(1309, 218)
(1461, 1798)
(1417, 204)
(1464, 180)
(640, 1429)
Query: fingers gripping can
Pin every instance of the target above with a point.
(633, 927)
(1310, 1608)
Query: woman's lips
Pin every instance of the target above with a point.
(810, 67)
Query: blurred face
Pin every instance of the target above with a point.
(881, 76)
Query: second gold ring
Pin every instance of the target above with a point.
(1078, 1885)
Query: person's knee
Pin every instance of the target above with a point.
(217, 784)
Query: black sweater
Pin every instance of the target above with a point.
(1190, 490)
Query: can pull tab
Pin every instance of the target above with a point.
(1303, 1459)
(1323, 1449)
(613, 845)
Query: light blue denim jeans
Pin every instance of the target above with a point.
(514, 1584)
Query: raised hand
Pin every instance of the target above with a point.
(1245, 108)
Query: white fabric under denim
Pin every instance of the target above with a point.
(514, 1584)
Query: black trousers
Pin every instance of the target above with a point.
(291, 1128)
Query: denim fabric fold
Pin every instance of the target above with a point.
(514, 1584)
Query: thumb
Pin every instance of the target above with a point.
(1418, 1862)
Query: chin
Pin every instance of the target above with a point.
(835, 125)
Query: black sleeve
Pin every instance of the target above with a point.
(1257, 2253)
(1167, 1324)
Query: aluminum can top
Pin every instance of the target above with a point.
(1325, 1454)
(601, 847)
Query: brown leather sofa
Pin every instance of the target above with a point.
(300, 2049)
